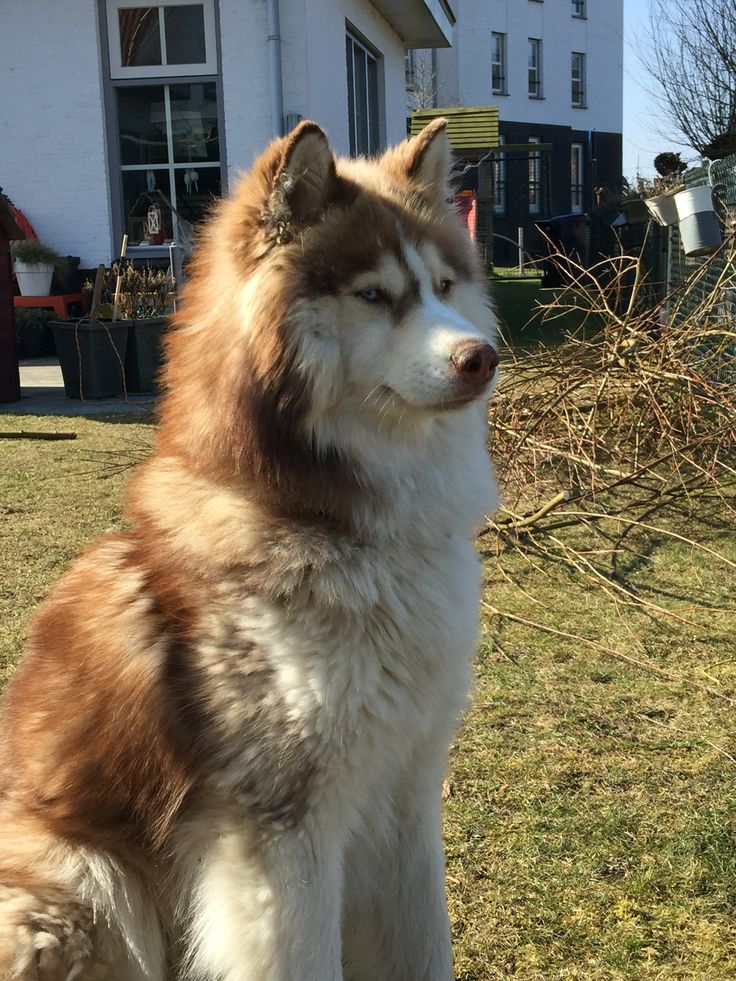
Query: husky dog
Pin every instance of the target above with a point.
(223, 752)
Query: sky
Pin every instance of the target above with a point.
(645, 133)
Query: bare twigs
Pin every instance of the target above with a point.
(624, 430)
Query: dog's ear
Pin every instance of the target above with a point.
(304, 180)
(426, 158)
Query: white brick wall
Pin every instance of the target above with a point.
(53, 159)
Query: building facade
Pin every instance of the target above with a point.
(123, 118)
(555, 70)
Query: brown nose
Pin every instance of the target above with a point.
(474, 362)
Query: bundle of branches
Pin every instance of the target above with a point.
(630, 419)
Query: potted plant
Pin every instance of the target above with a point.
(661, 204)
(34, 265)
(144, 297)
(119, 350)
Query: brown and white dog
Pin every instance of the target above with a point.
(222, 754)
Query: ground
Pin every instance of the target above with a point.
(590, 817)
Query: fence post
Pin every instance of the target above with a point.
(520, 240)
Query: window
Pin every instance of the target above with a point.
(578, 8)
(535, 68)
(498, 64)
(578, 79)
(576, 178)
(498, 169)
(363, 114)
(535, 179)
(168, 144)
(177, 38)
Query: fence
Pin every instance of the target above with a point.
(722, 175)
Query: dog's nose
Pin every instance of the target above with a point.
(474, 362)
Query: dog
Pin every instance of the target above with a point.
(224, 748)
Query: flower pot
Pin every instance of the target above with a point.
(92, 357)
(700, 229)
(663, 209)
(34, 278)
(144, 354)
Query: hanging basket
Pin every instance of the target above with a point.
(663, 209)
(700, 229)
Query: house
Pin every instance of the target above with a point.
(118, 117)
(554, 68)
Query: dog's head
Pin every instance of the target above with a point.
(333, 304)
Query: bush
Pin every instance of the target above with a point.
(31, 250)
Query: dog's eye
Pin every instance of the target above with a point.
(371, 295)
(445, 287)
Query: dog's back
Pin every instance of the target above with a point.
(223, 750)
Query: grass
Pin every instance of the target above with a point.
(520, 304)
(591, 817)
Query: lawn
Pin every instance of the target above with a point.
(520, 302)
(591, 806)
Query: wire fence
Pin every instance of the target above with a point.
(721, 174)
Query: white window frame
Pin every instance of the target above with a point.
(534, 66)
(577, 74)
(577, 186)
(497, 37)
(535, 179)
(119, 71)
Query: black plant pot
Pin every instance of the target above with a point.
(92, 357)
(144, 354)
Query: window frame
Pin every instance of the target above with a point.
(118, 219)
(579, 9)
(502, 63)
(581, 80)
(118, 71)
(534, 47)
(373, 148)
(577, 188)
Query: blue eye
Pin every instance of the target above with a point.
(371, 295)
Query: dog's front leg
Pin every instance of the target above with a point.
(266, 907)
(395, 922)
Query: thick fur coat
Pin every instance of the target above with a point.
(223, 751)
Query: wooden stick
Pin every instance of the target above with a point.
(23, 434)
(119, 280)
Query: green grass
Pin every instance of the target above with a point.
(591, 821)
(520, 304)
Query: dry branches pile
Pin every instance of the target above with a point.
(619, 430)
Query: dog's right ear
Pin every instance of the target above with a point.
(304, 181)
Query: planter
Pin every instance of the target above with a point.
(34, 278)
(144, 354)
(663, 209)
(700, 229)
(92, 357)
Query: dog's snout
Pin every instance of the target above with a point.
(474, 362)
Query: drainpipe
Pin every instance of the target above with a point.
(274, 57)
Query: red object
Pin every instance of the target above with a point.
(59, 304)
(23, 223)
(467, 207)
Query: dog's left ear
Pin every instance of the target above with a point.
(304, 181)
(426, 158)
